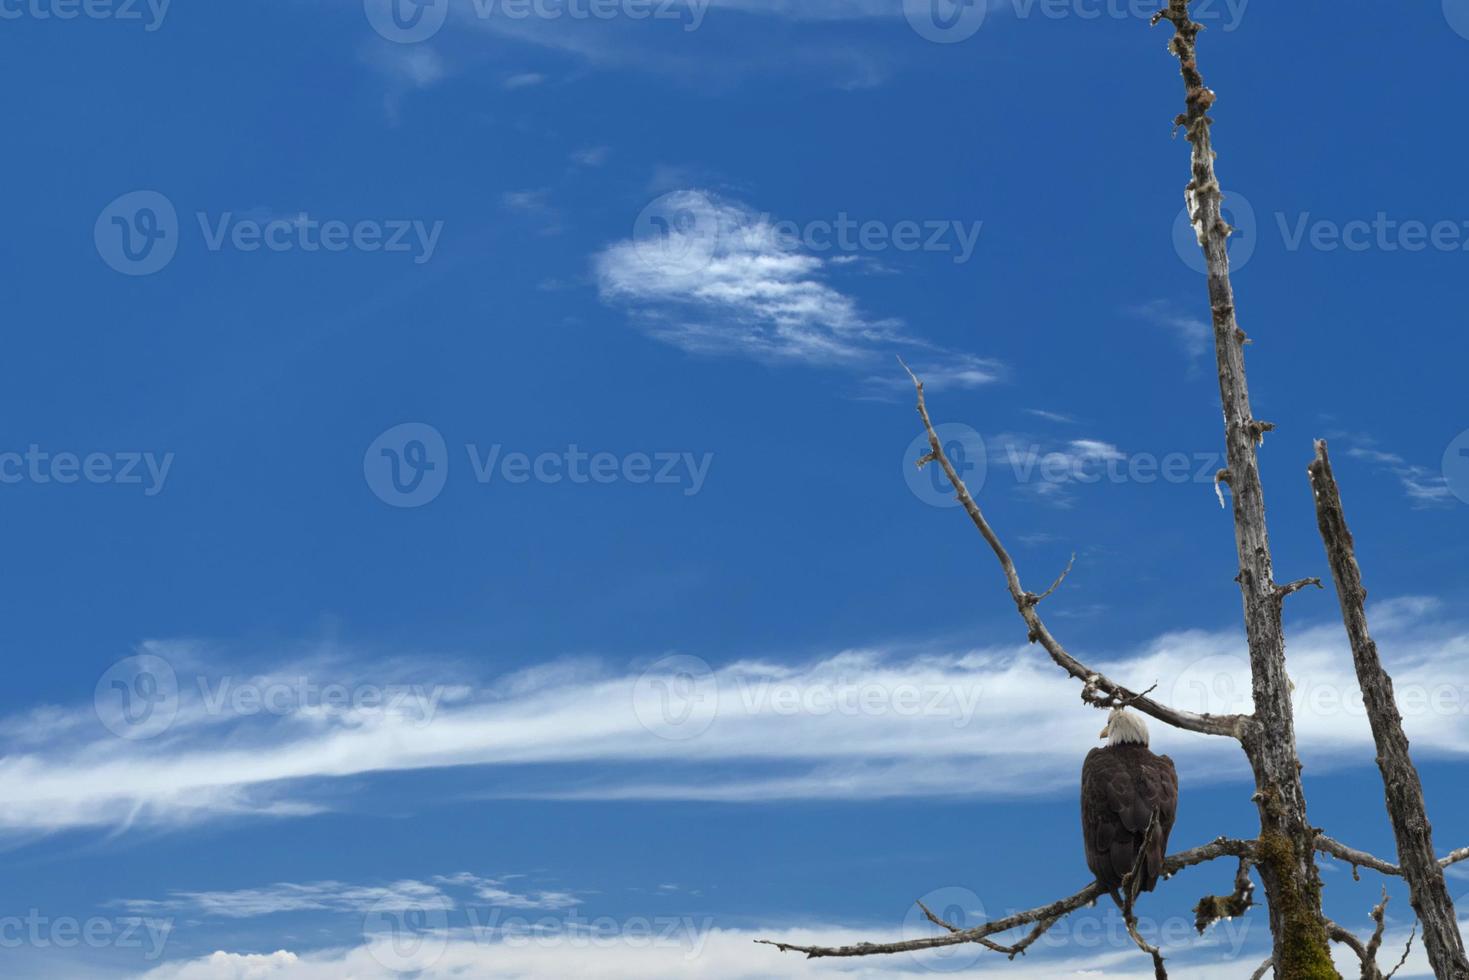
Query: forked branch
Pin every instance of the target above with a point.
(1097, 690)
(1042, 917)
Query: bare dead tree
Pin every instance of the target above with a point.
(1284, 853)
(1404, 791)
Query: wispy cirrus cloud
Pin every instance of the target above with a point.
(713, 277)
(856, 724)
(1190, 332)
(1424, 487)
(443, 891)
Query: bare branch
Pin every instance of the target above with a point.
(1403, 791)
(1379, 916)
(1356, 858)
(1097, 690)
(1340, 935)
(1292, 883)
(1130, 884)
(1044, 914)
(1407, 948)
(1367, 954)
(1263, 968)
(1294, 587)
(1059, 579)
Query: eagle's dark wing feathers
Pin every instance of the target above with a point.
(1122, 786)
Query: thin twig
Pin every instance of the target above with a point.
(1356, 858)
(1097, 690)
(1045, 914)
(1059, 579)
(1131, 884)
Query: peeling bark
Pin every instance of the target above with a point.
(1418, 862)
(1287, 841)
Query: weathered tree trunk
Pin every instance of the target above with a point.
(1286, 860)
(1416, 857)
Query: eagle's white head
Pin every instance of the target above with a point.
(1124, 726)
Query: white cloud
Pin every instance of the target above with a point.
(858, 724)
(1231, 950)
(1050, 472)
(1424, 487)
(1194, 335)
(591, 156)
(721, 954)
(713, 277)
(535, 204)
(527, 79)
(336, 896)
(415, 65)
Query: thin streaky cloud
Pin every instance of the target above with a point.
(558, 731)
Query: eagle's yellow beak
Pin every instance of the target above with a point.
(1105, 729)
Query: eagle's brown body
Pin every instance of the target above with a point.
(1122, 786)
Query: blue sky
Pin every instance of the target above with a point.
(453, 469)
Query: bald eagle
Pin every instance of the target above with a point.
(1123, 785)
